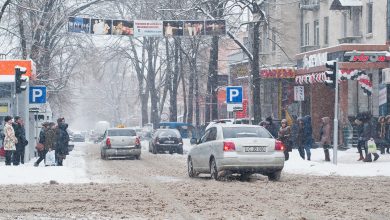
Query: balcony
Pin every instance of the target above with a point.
(350, 39)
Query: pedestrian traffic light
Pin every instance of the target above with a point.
(331, 73)
(19, 79)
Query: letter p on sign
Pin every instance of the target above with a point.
(37, 95)
(234, 94)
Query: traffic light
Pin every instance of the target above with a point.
(19, 79)
(331, 73)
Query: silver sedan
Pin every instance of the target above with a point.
(243, 149)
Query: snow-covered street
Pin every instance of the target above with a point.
(157, 186)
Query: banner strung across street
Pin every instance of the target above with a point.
(147, 28)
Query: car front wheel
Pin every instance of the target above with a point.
(275, 176)
(214, 170)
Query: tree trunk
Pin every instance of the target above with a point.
(255, 74)
(197, 107)
(151, 85)
(213, 70)
(167, 83)
(174, 83)
(191, 81)
(183, 84)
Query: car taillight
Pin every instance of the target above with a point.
(108, 142)
(137, 141)
(279, 145)
(229, 146)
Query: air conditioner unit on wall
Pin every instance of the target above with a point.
(386, 76)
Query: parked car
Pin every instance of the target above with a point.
(230, 148)
(120, 143)
(78, 138)
(166, 140)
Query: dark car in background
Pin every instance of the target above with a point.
(78, 138)
(166, 140)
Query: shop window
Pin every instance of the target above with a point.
(369, 17)
(316, 32)
(326, 30)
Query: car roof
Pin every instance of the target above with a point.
(224, 125)
(120, 129)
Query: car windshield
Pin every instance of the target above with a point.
(122, 132)
(166, 133)
(243, 132)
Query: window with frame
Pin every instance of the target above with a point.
(326, 30)
(307, 34)
(369, 17)
(316, 32)
(213, 134)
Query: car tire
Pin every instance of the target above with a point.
(214, 170)
(180, 150)
(275, 176)
(103, 155)
(154, 150)
(138, 157)
(190, 168)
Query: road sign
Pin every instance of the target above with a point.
(234, 94)
(299, 93)
(37, 95)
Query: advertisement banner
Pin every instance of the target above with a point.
(148, 28)
(79, 25)
(215, 27)
(194, 28)
(122, 27)
(173, 28)
(101, 26)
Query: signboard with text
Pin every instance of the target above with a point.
(299, 93)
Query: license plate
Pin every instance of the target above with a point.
(169, 142)
(256, 149)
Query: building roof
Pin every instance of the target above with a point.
(345, 4)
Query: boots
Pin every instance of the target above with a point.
(361, 157)
(368, 158)
(327, 158)
(376, 156)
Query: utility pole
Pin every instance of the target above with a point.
(336, 110)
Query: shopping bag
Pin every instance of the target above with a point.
(50, 159)
(2, 151)
(371, 146)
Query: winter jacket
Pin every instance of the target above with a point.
(325, 131)
(271, 127)
(10, 139)
(307, 130)
(50, 139)
(284, 135)
(62, 140)
(367, 131)
(20, 134)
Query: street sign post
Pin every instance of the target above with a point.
(37, 95)
(234, 96)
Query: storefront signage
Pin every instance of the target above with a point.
(358, 56)
(278, 73)
(314, 60)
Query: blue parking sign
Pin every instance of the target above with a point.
(37, 95)
(234, 94)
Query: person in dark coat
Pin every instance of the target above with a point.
(325, 136)
(308, 135)
(284, 136)
(42, 137)
(20, 134)
(271, 127)
(387, 134)
(361, 145)
(300, 137)
(369, 132)
(62, 142)
(381, 134)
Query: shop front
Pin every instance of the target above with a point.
(361, 87)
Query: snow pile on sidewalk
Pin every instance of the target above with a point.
(347, 164)
(73, 171)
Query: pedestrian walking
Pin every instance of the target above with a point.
(284, 135)
(10, 141)
(308, 135)
(325, 136)
(369, 132)
(41, 142)
(380, 139)
(62, 141)
(271, 127)
(361, 145)
(20, 134)
(387, 118)
(300, 137)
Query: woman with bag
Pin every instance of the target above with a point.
(284, 136)
(10, 140)
(40, 145)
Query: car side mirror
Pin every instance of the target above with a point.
(193, 141)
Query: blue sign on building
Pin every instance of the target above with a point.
(37, 94)
(234, 94)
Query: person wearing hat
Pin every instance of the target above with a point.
(20, 134)
(284, 136)
(10, 140)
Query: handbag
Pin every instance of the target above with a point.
(2, 151)
(371, 146)
(40, 146)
